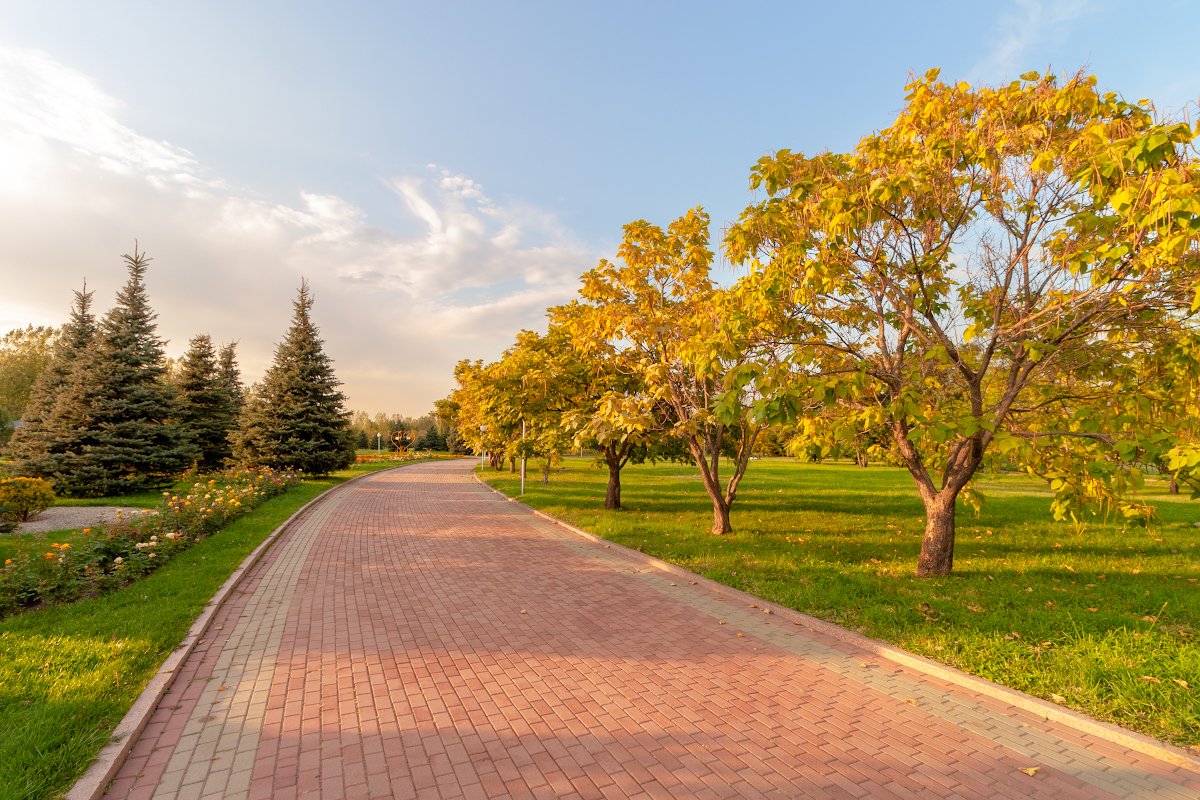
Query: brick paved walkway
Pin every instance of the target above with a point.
(414, 635)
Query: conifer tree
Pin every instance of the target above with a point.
(208, 405)
(115, 422)
(231, 376)
(295, 416)
(36, 447)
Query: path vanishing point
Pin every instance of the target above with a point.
(415, 635)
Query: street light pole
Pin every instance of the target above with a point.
(522, 458)
(482, 448)
(378, 443)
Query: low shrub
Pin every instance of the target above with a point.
(22, 498)
(108, 557)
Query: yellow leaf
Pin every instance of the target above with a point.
(1058, 698)
(1182, 683)
(1149, 679)
(1030, 771)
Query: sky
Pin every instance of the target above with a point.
(441, 173)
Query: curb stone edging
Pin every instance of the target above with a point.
(1102, 730)
(94, 782)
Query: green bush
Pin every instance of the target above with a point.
(24, 497)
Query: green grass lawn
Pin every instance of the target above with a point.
(148, 499)
(68, 674)
(1103, 620)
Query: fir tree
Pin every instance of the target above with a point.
(295, 416)
(116, 418)
(37, 445)
(208, 402)
(231, 376)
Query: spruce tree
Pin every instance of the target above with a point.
(117, 416)
(208, 403)
(37, 445)
(231, 376)
(295, 416)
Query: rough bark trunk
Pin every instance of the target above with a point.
(860, 459)
(495, 461)
(546, 473)
(721, 524)
(937, 549)
(512, 466)
(1173, 487)
(612, 495)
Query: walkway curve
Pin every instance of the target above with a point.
(416, 636)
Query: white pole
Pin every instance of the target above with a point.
(522, 459)
(378, 443)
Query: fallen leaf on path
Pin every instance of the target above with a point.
(720, 622)
(522, 611)
(1030, 771)
(220, 688)
(864, 665)
(691, 583)
(741, 634)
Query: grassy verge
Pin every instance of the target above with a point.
(1103, 620)
(68, 674)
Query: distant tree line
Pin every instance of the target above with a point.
(103, 412)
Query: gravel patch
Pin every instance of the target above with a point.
(58, 518)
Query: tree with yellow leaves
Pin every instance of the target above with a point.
(989, 274)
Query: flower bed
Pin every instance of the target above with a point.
(399, 458)
(108, 557)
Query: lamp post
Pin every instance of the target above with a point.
(378, 443)
(482, 448)
(522, 458)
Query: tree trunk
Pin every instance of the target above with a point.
(612, 495)
(546, 473)
(937, 549)
(1173, 487)
(512, 466)
(495, 461)
(721, 524)
(860, 458)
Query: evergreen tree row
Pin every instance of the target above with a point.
(103, 419)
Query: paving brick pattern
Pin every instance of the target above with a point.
(419, 637)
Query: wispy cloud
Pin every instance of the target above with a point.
(1031, 24)
(397, 312)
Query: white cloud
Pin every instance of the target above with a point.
(396, 312)
(1033, 23)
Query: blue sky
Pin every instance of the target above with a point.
(442, 172)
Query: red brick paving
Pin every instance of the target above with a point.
(438, 645)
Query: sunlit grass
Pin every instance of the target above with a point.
(69, 673)
(1104, 618)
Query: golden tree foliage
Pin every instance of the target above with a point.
(995, 273)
